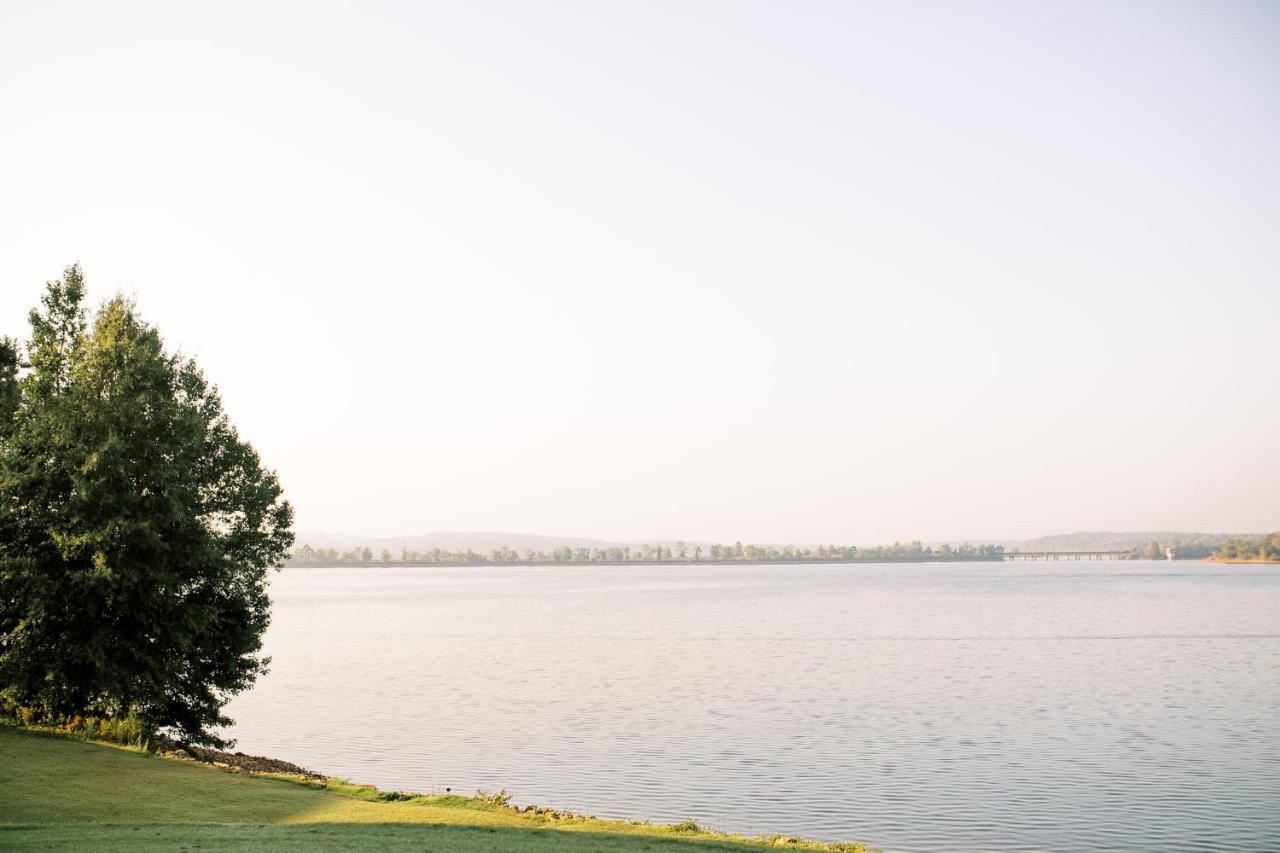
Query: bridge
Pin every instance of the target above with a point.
(1068, 555)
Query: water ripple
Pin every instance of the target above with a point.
(919, 709)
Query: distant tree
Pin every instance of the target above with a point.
(136, 527)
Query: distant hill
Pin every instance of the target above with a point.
(452, 540)
(1110, 541)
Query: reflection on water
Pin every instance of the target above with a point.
(1061, 706)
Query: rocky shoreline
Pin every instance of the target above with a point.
(235, 762)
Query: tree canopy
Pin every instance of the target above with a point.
(1263, 549)
(136, 527)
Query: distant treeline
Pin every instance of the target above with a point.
(1199, 548)
(1212, 546)
(1260, 548)
(1181, 550)
(681, 553)
(1209, 546)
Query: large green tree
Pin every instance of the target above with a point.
(136, 527)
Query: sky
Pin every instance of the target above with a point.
(771, 272)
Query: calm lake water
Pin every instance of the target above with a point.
(963, 707)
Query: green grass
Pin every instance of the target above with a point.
(61, 793)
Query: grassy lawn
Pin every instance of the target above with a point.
(65, 794)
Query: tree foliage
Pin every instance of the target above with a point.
(8, 383)
(136, 527)
(1259, 548)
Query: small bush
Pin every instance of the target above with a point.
(128, 730)
(124, 730)
(687, 825)
(499, 798)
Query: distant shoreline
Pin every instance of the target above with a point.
(419, 564)
(444, 564)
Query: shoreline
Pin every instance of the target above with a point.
(454, 564)
(529, 818)
(457, 564)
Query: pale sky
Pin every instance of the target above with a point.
(774, 272)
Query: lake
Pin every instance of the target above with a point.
(1056, 706)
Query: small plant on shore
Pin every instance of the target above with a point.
(126, 731)
(123, 730)
(499, 798)
(687, 825)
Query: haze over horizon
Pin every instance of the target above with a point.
(484, 541)
(846, 273)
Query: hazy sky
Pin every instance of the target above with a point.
(764, 271)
